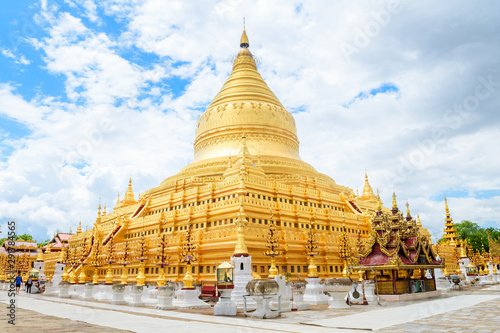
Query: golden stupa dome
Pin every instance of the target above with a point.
(246, 121)
(245, 105)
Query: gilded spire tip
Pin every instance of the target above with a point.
(394, 203)
(446, 206)
(244, 38)
(379, 205)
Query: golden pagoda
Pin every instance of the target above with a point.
(246, 163)
(449, 247)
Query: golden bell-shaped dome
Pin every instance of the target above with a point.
(246, 105)
(246, 116)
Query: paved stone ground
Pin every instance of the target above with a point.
(30, 321)
(482, 317)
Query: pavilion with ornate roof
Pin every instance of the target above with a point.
(398, 255)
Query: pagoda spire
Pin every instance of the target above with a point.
(419, 224)
(367, 190)
(129, 195)
(450, 232)
(79, 229)
(379, 205)
(241, 247)
(244, 38)
(118, 203)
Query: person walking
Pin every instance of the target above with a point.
(19, 280)
(28, 285)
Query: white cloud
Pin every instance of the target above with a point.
(17, 59)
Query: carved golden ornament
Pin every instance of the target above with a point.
(82, 277)
(124, 277)
(312, 269)
(72, 276)
(188, 277)
(95, 277)
(109, 275)
(141, 277)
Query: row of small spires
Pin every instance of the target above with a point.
(379, 208)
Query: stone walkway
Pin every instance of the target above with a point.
(472, 310)
(29, 321)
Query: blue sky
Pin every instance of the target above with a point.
(94, 93)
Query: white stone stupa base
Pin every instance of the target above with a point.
(76, 290)
(88, 293)
(225, 306)
(337, 300)
(152, 298)
(298, 302)
(136, 296)
(64, 290)
(189, 299)
(443, 284)
(263, 308)
(314, 292)
(165, 303)
(50, 289)
(286, 295)
(370, 292)
(104, 293)
(118, 298)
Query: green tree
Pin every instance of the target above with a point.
(25, 237)
(44, 243)
(494, 233)
(475, 235)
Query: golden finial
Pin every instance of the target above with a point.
(419, 224)
(244, 39)
(241, 247)
(40, 254)
(118, 200)
(407, 209)
(379, 206)
(129, 194)
(104, 211)
(79, 230)
(446, 206)
(367, 190)
(394, 203)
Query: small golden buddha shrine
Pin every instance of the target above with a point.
(399, 254)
